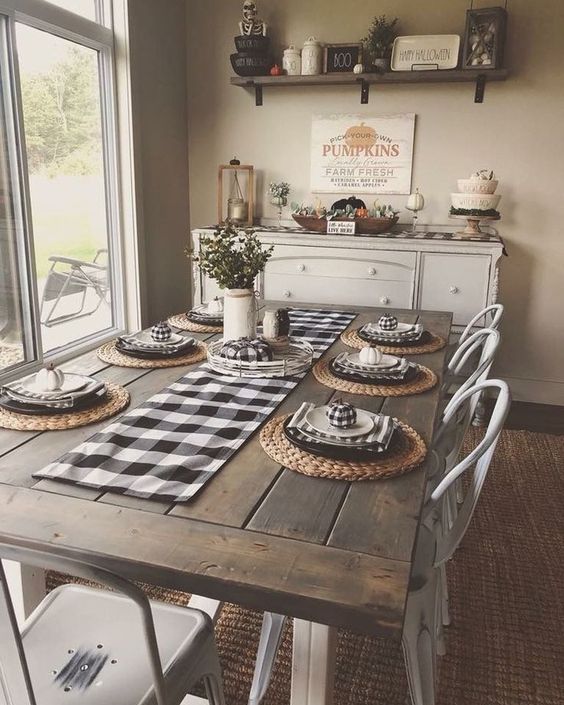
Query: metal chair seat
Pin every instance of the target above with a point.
(87, 645)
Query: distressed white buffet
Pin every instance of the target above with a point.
(434, 269)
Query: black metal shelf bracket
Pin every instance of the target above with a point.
(480, 88)
(258, 94)
(364, 91)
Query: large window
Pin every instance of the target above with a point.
(59, 232)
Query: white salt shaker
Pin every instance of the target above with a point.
(312, 55)
(292, 61)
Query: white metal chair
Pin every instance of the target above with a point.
(495, 312)
(422, 632)
(472, 361)
(448, 437)
(94, 647)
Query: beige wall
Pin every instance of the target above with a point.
(158, 65)
(518, 132)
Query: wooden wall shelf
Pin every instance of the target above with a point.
(364, 80)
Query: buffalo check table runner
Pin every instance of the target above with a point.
(171, 445)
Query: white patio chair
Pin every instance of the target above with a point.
(94, 647)
(422, 631)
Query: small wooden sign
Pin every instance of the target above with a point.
(342, 57)
(341, 227)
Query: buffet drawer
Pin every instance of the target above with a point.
(457, 283)
(324, 290)
(341, 263)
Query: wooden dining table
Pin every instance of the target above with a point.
(329, 553)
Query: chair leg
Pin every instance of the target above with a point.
(214, 689)
(271, 633)
(445, 610)
(419, 641)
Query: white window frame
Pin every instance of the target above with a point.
(115, 103)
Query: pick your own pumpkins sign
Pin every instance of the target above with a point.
(359, 154)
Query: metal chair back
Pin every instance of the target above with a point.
(478, 462)
(495, 311)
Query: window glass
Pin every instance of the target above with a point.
(86, 8)
(62, 117)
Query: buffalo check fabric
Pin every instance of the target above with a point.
(172, 444)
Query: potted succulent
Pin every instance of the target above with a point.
(234, 258)
(378, 42)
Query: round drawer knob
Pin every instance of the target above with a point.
(371, 271)
(286, 294)
(384, 300)
(301, 267)
(453, 290)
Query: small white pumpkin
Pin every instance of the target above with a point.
(50, 378)
(370, 355)
(215, 305)
(358, 68)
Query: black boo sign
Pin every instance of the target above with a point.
(341, 57)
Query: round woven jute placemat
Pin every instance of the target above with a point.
(182, 322)
(108, 353)
(115, 400)
(353, 340)
(409, 452)
(426, 379)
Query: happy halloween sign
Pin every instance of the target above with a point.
(358, 154)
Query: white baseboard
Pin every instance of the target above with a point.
(538, 391)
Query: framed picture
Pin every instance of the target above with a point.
(484, 38)
(340, 58)
(362, 154)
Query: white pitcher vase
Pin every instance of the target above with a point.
(239, 314)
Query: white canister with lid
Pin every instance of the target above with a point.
(292, 61)
(312, 57)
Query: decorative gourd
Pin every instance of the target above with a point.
(358, 68)
(276, 70)
(50, 378)
(247, 350)
(341, 414)
(215, 306)
(388, 322)
(361, 213)
(370, 355)
(360, 136)
(161, 332)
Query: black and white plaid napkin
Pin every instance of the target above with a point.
(170, 446)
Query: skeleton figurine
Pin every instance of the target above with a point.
(251, 26)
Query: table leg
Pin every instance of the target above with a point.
(313, 663)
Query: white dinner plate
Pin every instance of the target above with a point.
(318, 419)
(71, 383)
(387, 361)
(145, 337)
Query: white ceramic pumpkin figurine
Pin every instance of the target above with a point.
(50, 378)
(370, 355)
(215, 306)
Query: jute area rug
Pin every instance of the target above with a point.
(506, 642)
